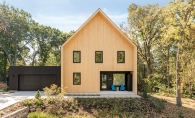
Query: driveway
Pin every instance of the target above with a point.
(11, 98)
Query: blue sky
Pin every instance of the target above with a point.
(67, 15)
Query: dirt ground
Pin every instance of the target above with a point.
(2, 85)
(186, 102)
(171, 110)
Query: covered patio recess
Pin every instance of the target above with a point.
(116, 79)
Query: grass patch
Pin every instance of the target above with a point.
(40, 115)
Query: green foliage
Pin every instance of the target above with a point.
(31, 102)
(118, 79)
(38, 102)
(55, 92)
(5, 88)
(144, 94)
(164, 36)
(17, 30)
(180, 113)
(28, 102)
(38, 95)
(157, 104)
(40, 115)
(51, 100)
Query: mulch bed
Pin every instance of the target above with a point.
(105, 107)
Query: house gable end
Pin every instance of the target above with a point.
(107, 19)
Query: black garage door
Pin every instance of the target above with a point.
(35, 82)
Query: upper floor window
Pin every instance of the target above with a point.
(98, 56)
(76, 56)
(121, 56)
(76, 78)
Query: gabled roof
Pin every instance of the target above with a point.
(106, 18)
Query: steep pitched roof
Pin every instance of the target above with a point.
(106, 18)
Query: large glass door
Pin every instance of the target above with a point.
(103, 81)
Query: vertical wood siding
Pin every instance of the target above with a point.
(97, 35)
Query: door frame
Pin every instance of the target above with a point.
(111, 74)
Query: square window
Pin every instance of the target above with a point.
(76, 56)
(119, 79)
(76, 78)
(121, 56)
(98, 56)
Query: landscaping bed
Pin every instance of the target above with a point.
(106, 107)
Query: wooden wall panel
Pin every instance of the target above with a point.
(97, 35)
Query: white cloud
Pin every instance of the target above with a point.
(116, 17)
(64, 23)
(73, 22)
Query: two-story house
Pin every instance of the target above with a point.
(98, 55)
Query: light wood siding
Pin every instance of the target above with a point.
(98, 34)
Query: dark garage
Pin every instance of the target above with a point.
(33, 78)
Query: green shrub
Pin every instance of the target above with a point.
(51, 101)
(5, 88)
(157, 104)
(38, 95)
(38, 102)
(27, 102)
(144, 94)
(40, 115)
(180, 113)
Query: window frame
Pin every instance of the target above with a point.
(123, 78)
(102, 57)
(74, 80)
(79, 57)
(118, 58)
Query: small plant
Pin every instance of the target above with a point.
(102, 114)
(51, 101)
(40, 115)
(180, 113)
(38, 95)
(38, 102)
(159, 105)
(27, 102)
(144, 94)
(5, 88)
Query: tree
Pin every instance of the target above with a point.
(46, 45)
(15, 31)
(179, 19)
(145, 25)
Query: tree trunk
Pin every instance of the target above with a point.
(5, 59)
(15, 56)
(8, 55)
(149, 73)
(149, 70)
(34, 59)
(144, 70)
(167, 76)
(178, 78)
(191, 89)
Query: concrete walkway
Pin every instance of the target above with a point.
(105, 94)
(11, 98)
